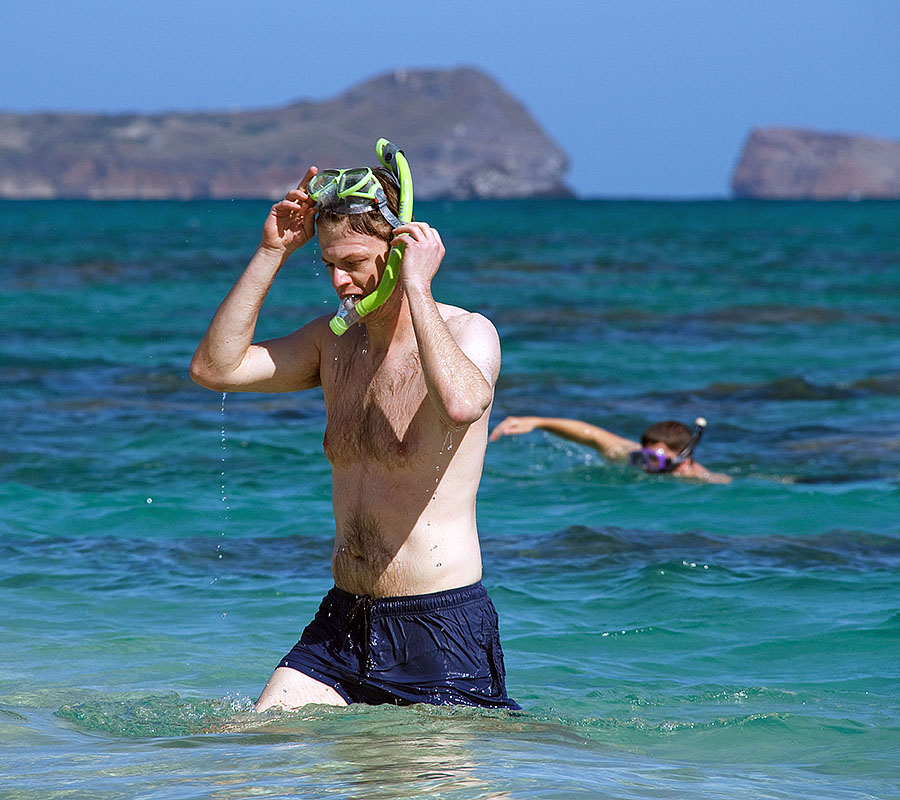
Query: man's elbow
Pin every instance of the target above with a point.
(202, 374)
(466, 411)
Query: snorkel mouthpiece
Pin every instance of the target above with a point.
(345, 317)
(351, 312)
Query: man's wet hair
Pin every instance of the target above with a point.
(673, 434)
(371, 223)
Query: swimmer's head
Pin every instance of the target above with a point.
(673, 434)
(666, 445)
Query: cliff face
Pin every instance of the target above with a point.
(464, 136)
(793, 164)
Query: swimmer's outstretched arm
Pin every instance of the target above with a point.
(226, 359)
(608, 444)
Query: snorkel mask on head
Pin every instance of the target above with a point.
(651, 460)
(357, 191)
(350, 191)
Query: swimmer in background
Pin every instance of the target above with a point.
(665, 447)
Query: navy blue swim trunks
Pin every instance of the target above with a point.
(441, 648)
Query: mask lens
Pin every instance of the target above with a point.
(649, 460)
(323, 184)
(356, 182)
(350, 191)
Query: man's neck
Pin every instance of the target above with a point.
(390, 324)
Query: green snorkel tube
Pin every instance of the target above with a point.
(391, 158)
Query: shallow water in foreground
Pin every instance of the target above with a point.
(161, 549)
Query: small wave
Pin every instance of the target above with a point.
(170, 715)
(796, 387)
(9, 714)
(582, 545)
(154, 715)
(125, 563)
(790, 387)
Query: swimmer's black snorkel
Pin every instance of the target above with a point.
(357, 191)
(656, 461)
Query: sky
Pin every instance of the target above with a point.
(649, 98)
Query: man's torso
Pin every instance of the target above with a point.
(404, 485)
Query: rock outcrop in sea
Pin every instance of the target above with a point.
(465, 137)
(797, 164)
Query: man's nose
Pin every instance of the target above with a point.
(340, 278)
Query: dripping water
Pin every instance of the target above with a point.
(225, 505)
(223, 493)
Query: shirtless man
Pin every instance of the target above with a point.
(408, 394)
(666, 446)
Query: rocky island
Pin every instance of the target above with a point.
(464, 135)
(797, 164)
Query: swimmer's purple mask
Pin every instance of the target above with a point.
(651, 460)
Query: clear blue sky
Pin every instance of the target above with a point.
(650, 99)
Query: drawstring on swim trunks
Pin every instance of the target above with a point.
(361, 618)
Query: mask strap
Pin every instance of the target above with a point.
(385, 209)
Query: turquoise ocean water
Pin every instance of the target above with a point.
(161, 546)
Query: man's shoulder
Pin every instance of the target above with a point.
(462, 322)
(476, 336)
(701, 473)
(309, 338)
(457, 314)
(316, 328)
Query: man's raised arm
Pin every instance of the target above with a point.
(461, 363)
(226, 358)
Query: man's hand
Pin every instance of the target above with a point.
(514, 425)
(291, 222)
(422, 256)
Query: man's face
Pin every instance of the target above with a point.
(355, 261)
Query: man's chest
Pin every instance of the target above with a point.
(378, 413)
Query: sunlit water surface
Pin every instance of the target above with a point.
(162, 546)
